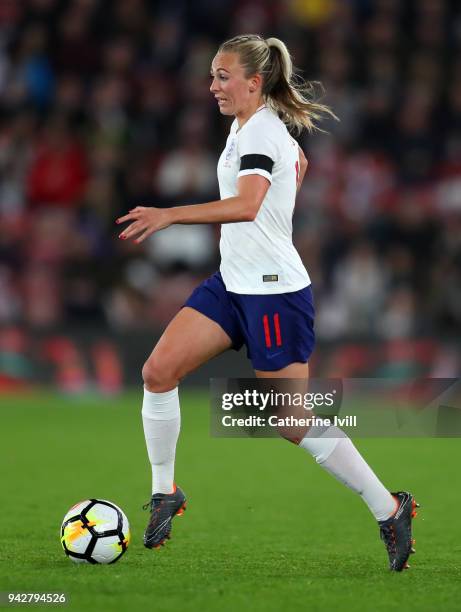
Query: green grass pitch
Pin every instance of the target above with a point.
(265, 529)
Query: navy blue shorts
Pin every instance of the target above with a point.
(277, 329)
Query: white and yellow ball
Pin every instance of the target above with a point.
(95, 531)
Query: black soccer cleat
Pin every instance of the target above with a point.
(163, 507)
(396, 531)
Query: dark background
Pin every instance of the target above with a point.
(106, 105)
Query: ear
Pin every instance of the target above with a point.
(255, 82)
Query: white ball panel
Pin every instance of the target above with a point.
(76, 537)
(104, 517)
(107, 549)
(76, 509)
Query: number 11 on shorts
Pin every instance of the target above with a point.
(267, 332)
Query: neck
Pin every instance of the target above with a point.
(243, 116)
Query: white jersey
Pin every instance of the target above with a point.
(258, 257)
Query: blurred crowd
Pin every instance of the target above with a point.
(105, 105)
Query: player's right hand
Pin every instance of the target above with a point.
(145, 221)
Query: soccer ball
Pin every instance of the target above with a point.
(95, 531)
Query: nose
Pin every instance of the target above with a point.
(213, 87)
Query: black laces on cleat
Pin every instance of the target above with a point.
(151, 503)
(156, 497)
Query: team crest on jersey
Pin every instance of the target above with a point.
(229, 152)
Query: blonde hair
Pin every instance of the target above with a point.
(286, 93)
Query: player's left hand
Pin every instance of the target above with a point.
(145, 221)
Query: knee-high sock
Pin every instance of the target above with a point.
(161, 420)
(336, 453)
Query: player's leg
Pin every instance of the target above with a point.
(280, 344)
(190, 340)
(336, 453)
(299, 372)
(279, 332)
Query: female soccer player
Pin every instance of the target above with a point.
(261, 297)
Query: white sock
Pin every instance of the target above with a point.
(161, 419)
(339, 456)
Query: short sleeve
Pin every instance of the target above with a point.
(258, 150)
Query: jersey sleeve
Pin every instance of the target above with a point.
(258, 151)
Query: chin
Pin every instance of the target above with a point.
(227, 109)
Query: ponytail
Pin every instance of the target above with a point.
(292, 98)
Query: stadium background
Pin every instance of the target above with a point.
(105, 105)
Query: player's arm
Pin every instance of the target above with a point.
(252, 189)
(302, 168)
